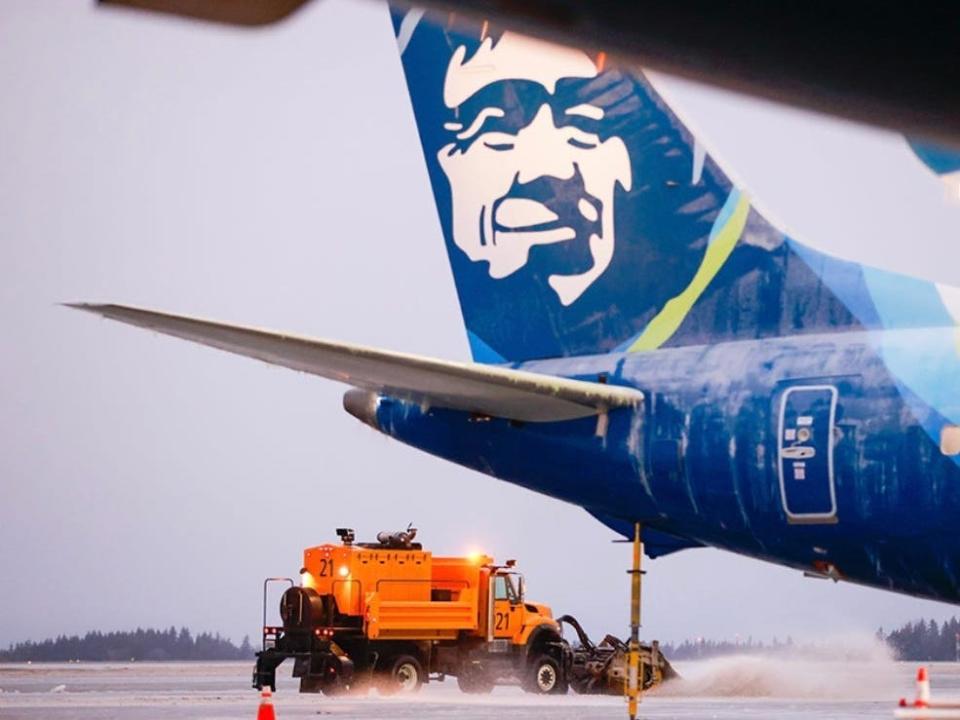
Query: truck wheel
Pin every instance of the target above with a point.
(545, 677)
(474, 680)
(403, 675)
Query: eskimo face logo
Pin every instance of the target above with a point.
(528, 164)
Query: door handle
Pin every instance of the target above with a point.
(797, 452)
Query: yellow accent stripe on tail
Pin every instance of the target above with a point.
(666, 322)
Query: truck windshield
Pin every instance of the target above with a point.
(504, 589)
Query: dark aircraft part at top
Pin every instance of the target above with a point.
(886, 64)
(249, 13)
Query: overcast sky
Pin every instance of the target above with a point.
(274, 178)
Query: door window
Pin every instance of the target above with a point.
(503, 588)
(499, 588)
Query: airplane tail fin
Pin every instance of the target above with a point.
(581, 216)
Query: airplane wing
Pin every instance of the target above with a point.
(485, 389)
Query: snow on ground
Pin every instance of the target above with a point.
(724, 689)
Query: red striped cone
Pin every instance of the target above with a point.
(265, 711)
(923, 688)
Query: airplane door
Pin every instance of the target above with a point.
(805, 453)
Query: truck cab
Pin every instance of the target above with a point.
(541, 656)
(513, 617)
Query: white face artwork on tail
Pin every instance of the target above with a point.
(528, 171)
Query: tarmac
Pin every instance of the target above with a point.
(720, 689)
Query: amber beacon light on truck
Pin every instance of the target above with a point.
(391, 615)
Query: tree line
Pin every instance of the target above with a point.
(922, 640)
(139, 644)
(925, 640)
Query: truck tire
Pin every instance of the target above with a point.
(545, 677)
(402, 675)
(474, 680)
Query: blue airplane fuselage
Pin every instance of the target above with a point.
(806, 451)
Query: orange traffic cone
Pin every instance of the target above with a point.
(923, 691)
(923, 688)
(265, 712)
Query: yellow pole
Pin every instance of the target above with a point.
(634, 669)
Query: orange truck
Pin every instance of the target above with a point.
(392, 615)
